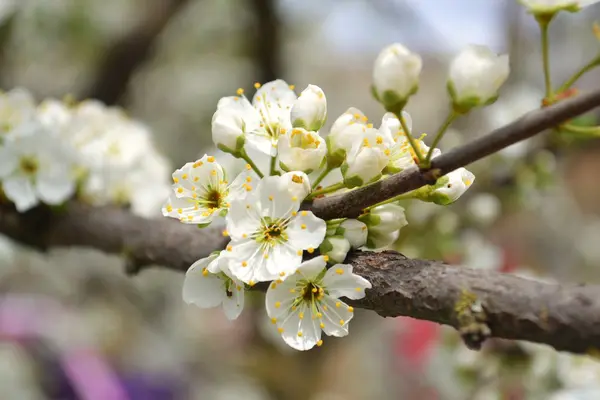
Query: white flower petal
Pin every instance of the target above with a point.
(298, 184)
(280, 297)
(234, 304)
(306, 231)
(282, 260)
(19, 190)
(203, 290)
(312, 268)
(54, 188)
(8, 161)
(275, 198)
(336, 316)
(340, 281)
(243, 218)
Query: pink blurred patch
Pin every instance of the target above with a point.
(415, 339)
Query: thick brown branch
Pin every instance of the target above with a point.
(478, 303)
(351, 204)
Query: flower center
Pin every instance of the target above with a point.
(312, 291)
(29, 165)
(303, 139)
(214, 199)
(271, 232)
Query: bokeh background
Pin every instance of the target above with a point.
(73, 325)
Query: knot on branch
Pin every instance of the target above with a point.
(472, 320)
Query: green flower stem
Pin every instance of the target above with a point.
(411, 140)
(273, 169)
(544, 23)
(328, 189)
(322, 176)
(403, 196)
(588, 67)
(452, 115)
(245, 157)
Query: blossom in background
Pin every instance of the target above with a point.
(209, 283)
(307, 302)
(475, 77)
(18, 114)
(269, 233)
(36, 168)
(201, 191)
(396, 76)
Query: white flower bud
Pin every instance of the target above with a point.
(549, 7)
(297, 183)
(310, 109)
(336, 247)
(367, 158)
(228, 130)
(448, 188)
(378, 240)
(475, 77)
(346, 130)
(385, 218)
(301, 150)
(354, 231)
(396, 76)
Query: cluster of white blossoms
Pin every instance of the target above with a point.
(54, 151)
(272, 238)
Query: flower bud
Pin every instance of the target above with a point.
(297, 183)
(448, 188)
(550, 7)
(378, 240)
(301, 150)
(354, 231)
(367, 158)
(336, 247)
(228, 131)
(346, 130)
(385, 218)
(310, 109)
(475, 77)
(396, 76)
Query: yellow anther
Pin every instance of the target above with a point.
(184, 176)
(236, 98)
(303, 226)
(339, 271)
(179, 210)
(357, 116)
(282, 130)
(210, 159)
(240, 91)
(325, 258)
(310, 249)
(299, 334)
(341, 322)
(314, 290)
(319, 343)
(179, 190)
(387, 152)
(292, 87)
(366, 142)
(350, 309)
(292, 290)
(277, 304)
(294, 198)
(251, 283)
(304, 213)
(204, 272)
(248, 167)
(273, 285)
(175, 179)
(244, 263)
(358, 289)
(282, 274)
(324, 308)
(196, 179)
(248, 179)
(238, 287)
(365, 118)
(229, 248)
(244, 235)
(294, 213)
(213, 172)
(257, 85)
(273, 320)
(169, 208)
(468, 182)
(301, 315)
(338, 304)
(369, 126)
(190, 217)
(271, 198)
(322, 325)
(294, 308)
(319, 315)
(225, 233)
(379, 140)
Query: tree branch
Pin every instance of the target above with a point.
(351, 204)
(478, 303)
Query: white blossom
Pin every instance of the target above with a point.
(476, 75)
(268, 233)
(209, 283)
(310, 110)
(396, 76)
(346, 131)
(298, 184)
(36, 168)
(384, 223)
(553, 6)
(367, 158)
(228, 130)
(354, 231)
(451, 186)
(262, 121)
(307, 303)
(301, 150)
(18, 114)
(335, 247)
(201, 191)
